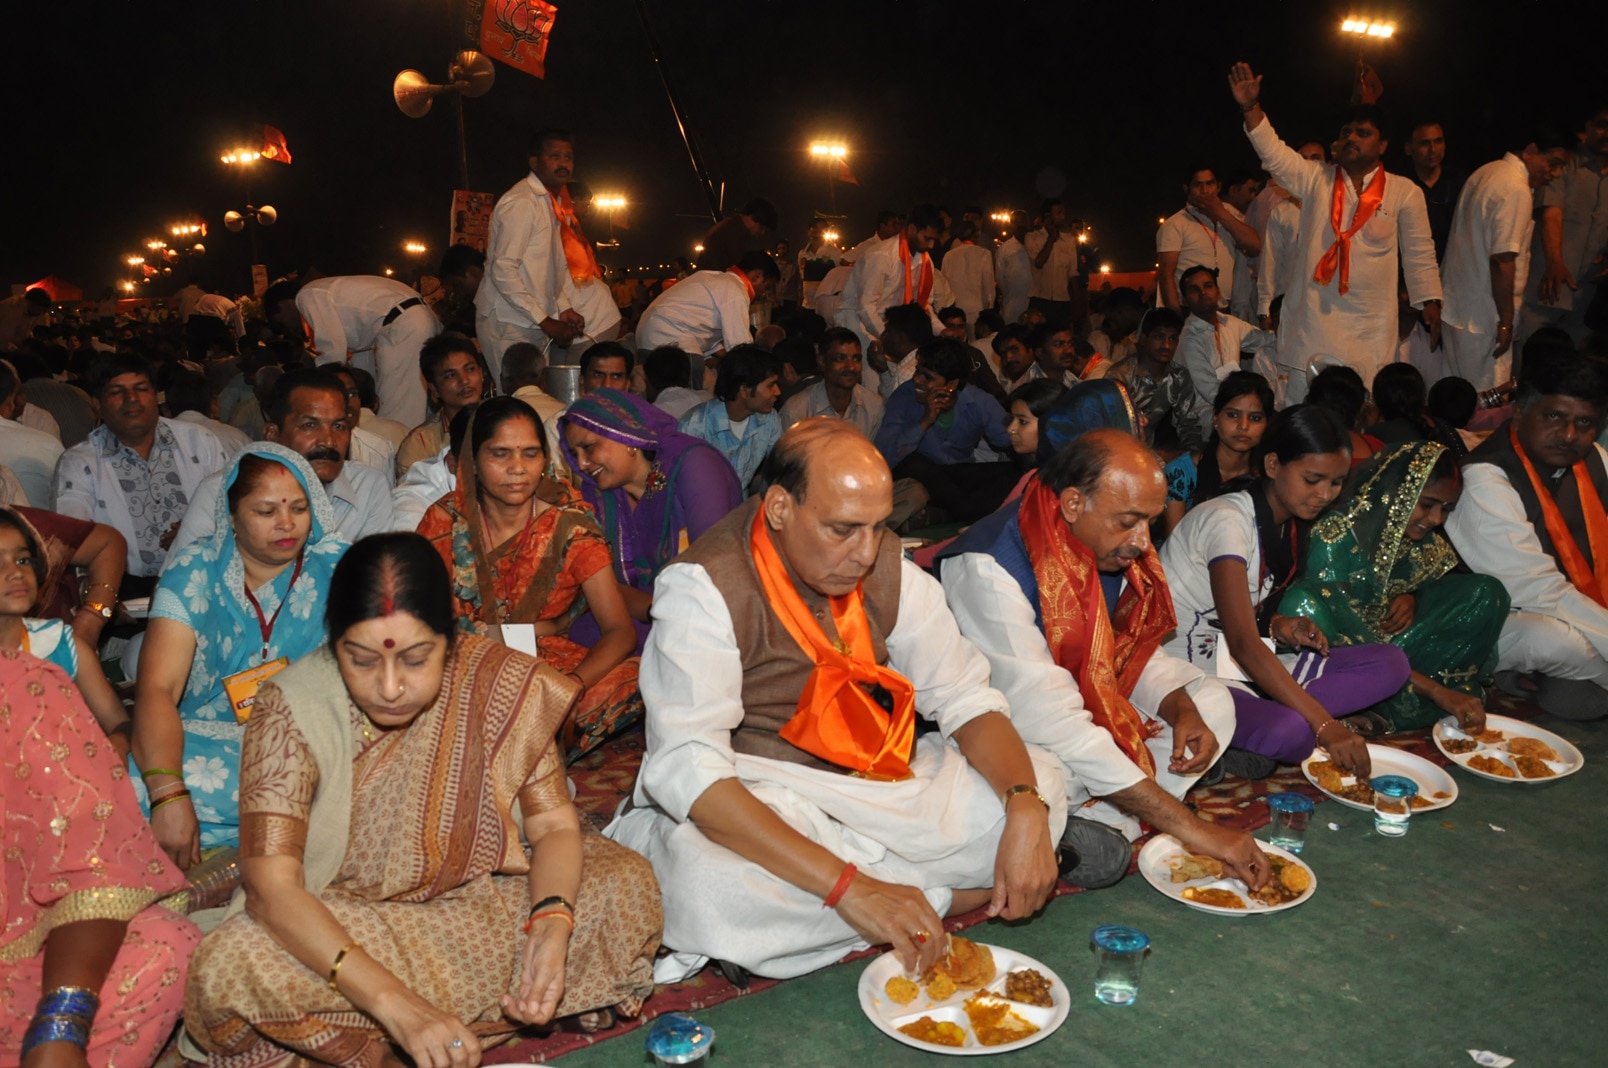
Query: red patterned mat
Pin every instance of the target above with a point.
(605, 776)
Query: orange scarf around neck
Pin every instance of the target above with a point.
(578, 252)
(1589, 580)
(837, 719)
(1339, 255)
(919, 292)
(1105, 661)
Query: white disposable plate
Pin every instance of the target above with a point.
(912, 544)
(1159, 850)
(1569, 759)
(137, 607)
(889, 1015)
(1431, 778)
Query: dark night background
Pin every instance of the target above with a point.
(118, 112)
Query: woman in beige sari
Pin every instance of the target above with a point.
(388, 904)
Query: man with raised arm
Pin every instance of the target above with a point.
(1358, 224)
(790, 811)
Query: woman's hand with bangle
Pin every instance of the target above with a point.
(434, 1039)
(541, 973)
(56, 1055)
(177, 829)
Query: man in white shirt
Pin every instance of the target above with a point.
(1532, 516)
(708, 311)
(367, 447)
(31, 454)
(1486, 267)
(839, 393)
(817, 247)
(969, 269)
(889, 226)
(1053, 252)
(377, 323)
(1134, 728)
(1212, 342)
(1342, 297)
(667, 370)
(897, 271)
(137, 472)
(306, 413)
(368, 419)
(1013, 269)
(191, 400)
(742, 790)
(425, 483)
(1566, 260)
(526, 292)
(1204, 232)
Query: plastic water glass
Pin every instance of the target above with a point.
(677, 1038)
(1291, 813)
(1122, 951)
(1393, 804)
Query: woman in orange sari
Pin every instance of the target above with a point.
(523, 550)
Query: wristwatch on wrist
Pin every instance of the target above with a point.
(1023, 788)
(102, 610)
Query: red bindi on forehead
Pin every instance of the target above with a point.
(390, 643)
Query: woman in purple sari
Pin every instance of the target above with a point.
(653, 488)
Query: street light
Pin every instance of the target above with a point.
(1367, 28)
(241, 156)
(830, 237)
(414, 248)
(1105, 268)
(608, 204)
(834, 154)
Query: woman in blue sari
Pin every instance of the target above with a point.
(249, 596)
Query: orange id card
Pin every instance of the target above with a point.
(242, 686)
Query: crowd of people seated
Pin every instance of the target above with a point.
(370, 586)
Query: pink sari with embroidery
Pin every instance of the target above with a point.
(77, 848)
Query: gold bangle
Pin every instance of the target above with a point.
(340, 958)
(1023, 788)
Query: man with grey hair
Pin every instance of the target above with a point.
(820, 845)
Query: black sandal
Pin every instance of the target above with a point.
(1366, 724)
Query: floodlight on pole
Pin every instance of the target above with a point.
(1368, 28)
(835, 155)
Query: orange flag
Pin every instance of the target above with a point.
(273, 145)
(845, 175)
(516, 32)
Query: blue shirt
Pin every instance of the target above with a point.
(710, 423)
(953, 438)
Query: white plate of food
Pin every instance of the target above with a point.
(980, 999)
(1508, 750)
(1436, 787)
(1199, 881)
(137, 607)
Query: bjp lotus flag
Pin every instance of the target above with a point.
(273, 145)
(516, 32)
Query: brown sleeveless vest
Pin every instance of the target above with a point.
(774, 667)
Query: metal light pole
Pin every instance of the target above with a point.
(833, 154)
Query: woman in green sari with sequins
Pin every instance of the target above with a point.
(1378, 569)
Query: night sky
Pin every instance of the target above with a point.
(118, 112)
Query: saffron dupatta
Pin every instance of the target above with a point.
(1338, 258)
(1589, 577)
(1105, 653)
(839, 719)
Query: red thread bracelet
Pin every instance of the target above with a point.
(560, 913)
(841, 887)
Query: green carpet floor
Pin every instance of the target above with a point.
(1457, 937)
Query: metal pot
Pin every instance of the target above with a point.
(564, 382)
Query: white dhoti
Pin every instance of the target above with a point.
(938, 831)
(1216, 708)
(1467, 354)
(1549, 646)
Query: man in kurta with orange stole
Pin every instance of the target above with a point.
(1064, 594)
(788, 808)
(1532, 515)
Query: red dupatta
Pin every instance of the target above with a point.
(1105, 660)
